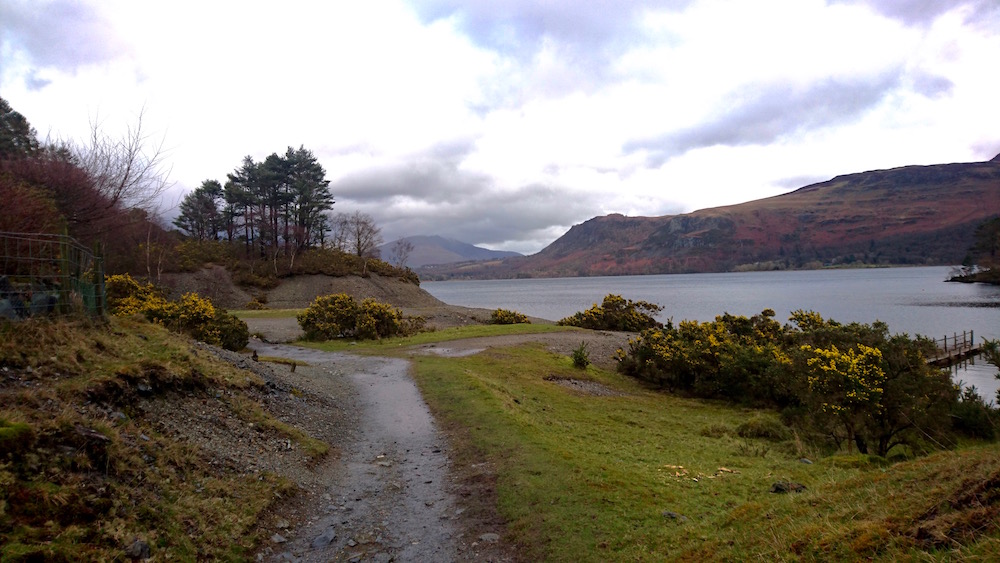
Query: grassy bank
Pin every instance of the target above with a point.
(388, 345)
(88, 463)
(630, 474)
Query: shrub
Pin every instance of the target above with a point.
(616, 313)
(377, 320)
(339, 315)
(191, 314)
(581, 358)
(193, 254)
(329, 317)
(973, 417)
(257, 303)
(763, 427)
(853, 384)
(232, 331)
(505, 317)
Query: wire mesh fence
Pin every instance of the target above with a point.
(45, 274)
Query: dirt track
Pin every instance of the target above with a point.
(393, 495)
(390, 497)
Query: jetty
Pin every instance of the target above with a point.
(955, 348)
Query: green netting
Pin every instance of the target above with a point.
(45, 274)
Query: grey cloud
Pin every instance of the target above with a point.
(437, 198)
(63, 34)
(516, 24)
(771, 113)
(924, 12)
(586, 37)
(424, 180)
(932, 86)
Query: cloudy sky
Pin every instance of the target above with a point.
(505, 122)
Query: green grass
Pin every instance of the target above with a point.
(282, 361)
(267, 313)
(592, 478)
(387, 345)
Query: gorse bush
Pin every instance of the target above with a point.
(616, 313)
(339, 315)
(852, 384)
(505, 317)
(377, 320)
(329, 317)
(191, 314)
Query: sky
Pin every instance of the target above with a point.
(503, 123)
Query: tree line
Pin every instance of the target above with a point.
(104, 191)
(280, 205)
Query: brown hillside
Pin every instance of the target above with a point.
(910, 215)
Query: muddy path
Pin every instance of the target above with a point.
(390, 498)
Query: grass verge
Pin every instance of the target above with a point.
(636, 475)
(85, 469)
(386, 345)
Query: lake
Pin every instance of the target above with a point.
(909, 300)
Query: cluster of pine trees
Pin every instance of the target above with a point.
(277, 205)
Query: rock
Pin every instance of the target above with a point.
(674, 516)
(806, 461)
(144, 388)
(138, 550)
(278, 538)
(324, 539)
(281, 524)
(782, 487)
(489, 537)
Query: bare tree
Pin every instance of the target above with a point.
(401, 250)
(357, 234)
(129, 171)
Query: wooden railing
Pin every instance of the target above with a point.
(955, 348)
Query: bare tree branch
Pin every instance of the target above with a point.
(129, 172)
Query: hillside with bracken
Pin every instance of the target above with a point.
(916, 215)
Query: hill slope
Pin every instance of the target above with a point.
(908, 215)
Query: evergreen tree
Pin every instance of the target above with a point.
(199, 214)
(17, 137)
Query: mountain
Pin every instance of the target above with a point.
(918, 215)
(430, 250)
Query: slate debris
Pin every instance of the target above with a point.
(138, 551)
(782, 487)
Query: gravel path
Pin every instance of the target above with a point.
(392, 495)
(390, 498)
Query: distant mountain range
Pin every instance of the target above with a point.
(916, 215)
(433, 250)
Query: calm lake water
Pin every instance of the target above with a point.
(909, 300)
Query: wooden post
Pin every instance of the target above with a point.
(64, 273)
